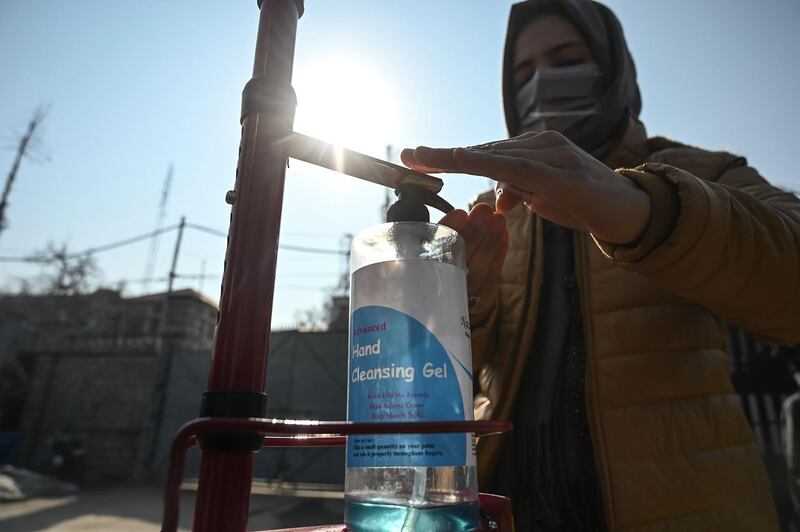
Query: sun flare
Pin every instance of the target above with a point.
(344, 102)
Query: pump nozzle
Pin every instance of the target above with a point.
(411, 202)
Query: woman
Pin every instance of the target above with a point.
(597, 295)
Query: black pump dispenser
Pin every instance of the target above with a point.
(411, 202)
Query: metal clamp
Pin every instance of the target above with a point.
(237, 404)
(263, 95)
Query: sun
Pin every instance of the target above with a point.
(344, 102)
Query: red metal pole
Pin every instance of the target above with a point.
(241, 342)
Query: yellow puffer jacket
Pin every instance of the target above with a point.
(672, 445)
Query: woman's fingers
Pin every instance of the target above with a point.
(502, 186)
(540, 170)
(534, 140)
(445, 159)
(554, 178)
(562, 157)
(536, 171)
(505, 197)
(484, 264)
(484, 233)
(508, 196)
(527, 174)
(472, 227)
(439, 158)
(456, 219)
(555, 214)
(513, 142)
(408, 159)
(477, 229)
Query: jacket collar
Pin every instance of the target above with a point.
(632, 147)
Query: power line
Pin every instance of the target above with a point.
(287, 247)
(38, 258)
(188, 277)
(306, 275)
(303, 288)
(304, 249)
(97, 249)
(307, 234)
(145, 280)
(195, 276)
(206, 229)
(127, 241)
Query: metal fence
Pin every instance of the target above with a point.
(763, 377)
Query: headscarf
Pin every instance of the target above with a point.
(603, 32)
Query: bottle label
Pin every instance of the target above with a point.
(409, 360)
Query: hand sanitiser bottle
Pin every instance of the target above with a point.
(410, 360)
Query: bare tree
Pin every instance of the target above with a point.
(67, 274)
(23, 150)
(310, 319)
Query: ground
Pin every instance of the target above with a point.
(138, 509)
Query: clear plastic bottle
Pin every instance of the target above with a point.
(410, 360)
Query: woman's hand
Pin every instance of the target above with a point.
(484, 232)
(553, 177)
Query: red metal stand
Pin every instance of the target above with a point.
(291, 433)
(235, 398)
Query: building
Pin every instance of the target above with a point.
(94, 365)
(104, 320)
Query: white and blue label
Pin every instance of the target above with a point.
(401, 370)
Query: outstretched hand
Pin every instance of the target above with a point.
(553, 177)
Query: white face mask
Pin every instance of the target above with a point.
(558, 98)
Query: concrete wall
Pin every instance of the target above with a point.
(101, 398)
(187, 382)
(306, 379)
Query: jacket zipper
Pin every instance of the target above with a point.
(598, 443)
(528, 311)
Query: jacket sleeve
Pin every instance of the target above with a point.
(733, 246)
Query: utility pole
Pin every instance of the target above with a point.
(162, 212)
(345, 243)
(164, 353)
(172, 273)
(24, 143)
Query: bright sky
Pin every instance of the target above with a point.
(135, 86)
